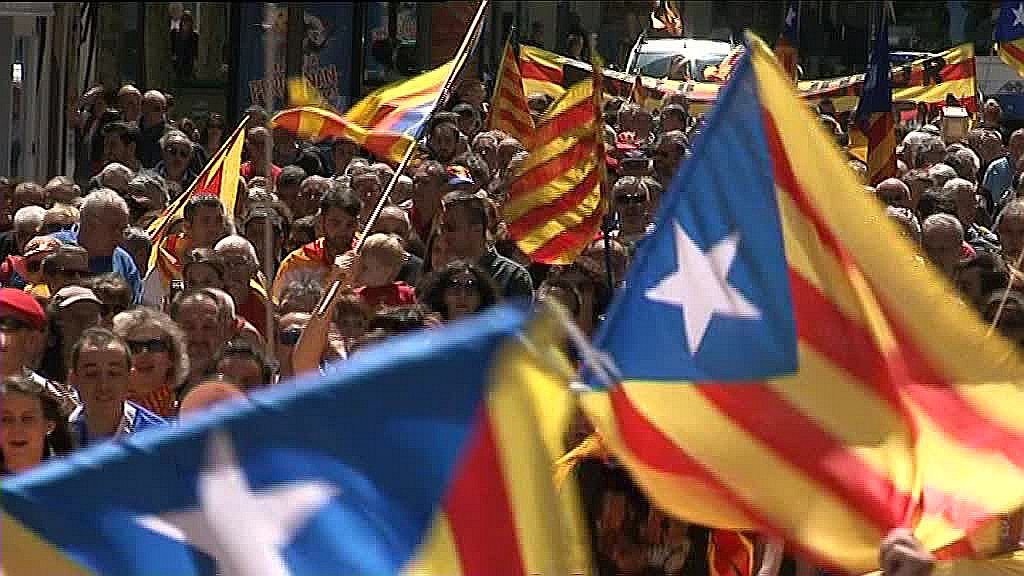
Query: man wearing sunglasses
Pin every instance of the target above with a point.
(68, 265)
(176, 152)
(103, 221)
(632, 206)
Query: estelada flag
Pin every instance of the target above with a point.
(1010, 35)
(783, 364)
(873, 121)
(421, 454)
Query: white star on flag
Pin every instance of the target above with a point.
(243, 530)
(700, 286)
(790, 16)
(1018, 15)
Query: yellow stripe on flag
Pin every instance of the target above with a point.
(521, 205)
(27, 554)
(547, 231)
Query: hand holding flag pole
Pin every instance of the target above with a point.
(306, 355)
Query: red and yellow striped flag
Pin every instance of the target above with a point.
(874, 124)
(542, 71)
(500, 514)
(509, 111)
(555, 206)
(783, 366)
(219, 178)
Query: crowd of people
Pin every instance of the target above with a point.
(99, 340)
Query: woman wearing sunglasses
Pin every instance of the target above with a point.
(159, 362)
(457, 290)
(176, 159)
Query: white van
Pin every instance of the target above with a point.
(656, 54)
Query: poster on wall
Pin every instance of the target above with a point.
(326, 48)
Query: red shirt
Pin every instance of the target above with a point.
(246, 171)
(394, 294)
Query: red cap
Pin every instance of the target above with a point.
(21, 305)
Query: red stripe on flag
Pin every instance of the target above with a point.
(571, 118)
(533, 70)
(656, 450)
(512, 124)
(571, 241)
(908, 366)
(539, 176)
(1014, 51)
(566, 203)
(479, 511)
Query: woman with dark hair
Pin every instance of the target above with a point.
(32, 425)
(457, 290)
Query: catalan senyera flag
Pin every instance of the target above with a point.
(555, 205)
(782, 364)
(640, 94)
(1009, 35)
(543, 72)
(509, 110)
(873, 121)
(218, 178)
(302, 92)
(412, 456)
(789, 40)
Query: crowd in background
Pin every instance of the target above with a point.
(99, 340)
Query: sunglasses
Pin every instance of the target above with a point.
(11, 324)
(179, 151)
(467, 284)
(289, 337)
(630, 199)
(152, 346)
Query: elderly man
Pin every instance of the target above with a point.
(129, 100)
(104, 218)
(120, 144)
(338, 220)
(176, 158)
(152, 126)
(28, 221)
(242, 280)
(207, 324)
(979, 237)
(394, 220)
(115, 176)
(893, 192)
(100, 366)
(964, 161)
(942, 237)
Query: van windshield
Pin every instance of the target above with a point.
(656, 65)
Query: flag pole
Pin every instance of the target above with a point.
(461, 57)
(269, 57)
(606, 223)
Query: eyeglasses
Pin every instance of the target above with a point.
(179, 151)
(12, 324)
(630, 199)
(289, 337)
(152, 346)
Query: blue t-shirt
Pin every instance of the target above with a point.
(121, 262)
(998, 177)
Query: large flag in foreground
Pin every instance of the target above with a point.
(873, 121)
(555, 204)
(425, 454)
(1010, 34)
(784, 366)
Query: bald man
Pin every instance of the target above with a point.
(152, 125)
(893, 192)
(942, 238)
